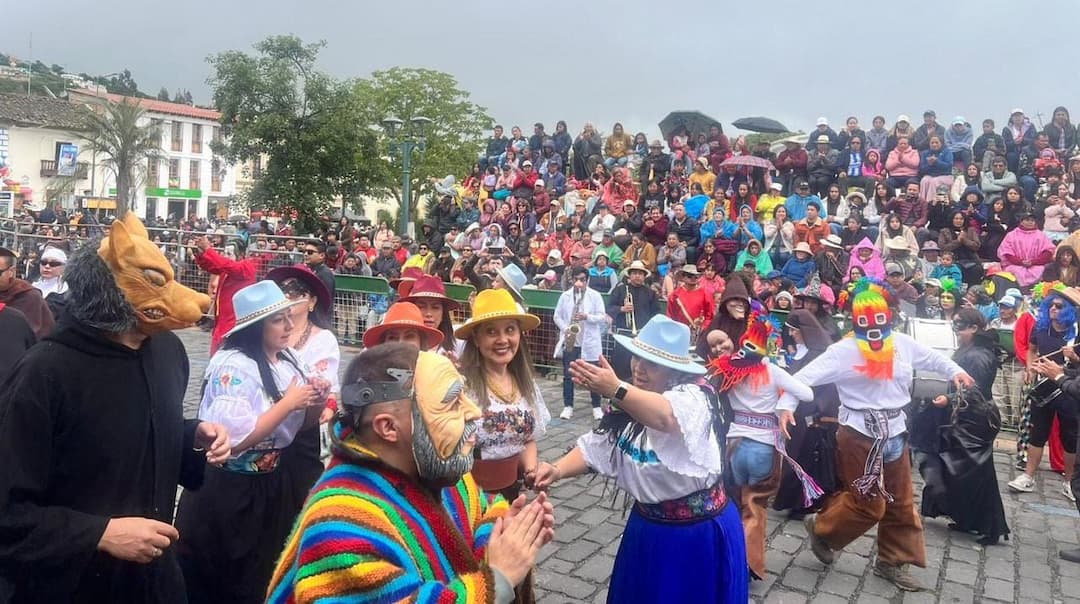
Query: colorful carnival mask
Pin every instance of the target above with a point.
(746, 361)
(872, 321)
(145, 277)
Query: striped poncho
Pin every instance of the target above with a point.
(371, 534)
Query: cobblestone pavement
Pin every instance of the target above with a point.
(576, 566)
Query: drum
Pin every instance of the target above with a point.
(1044, 392)
(939, 336)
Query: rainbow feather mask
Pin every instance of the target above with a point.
(746, 362)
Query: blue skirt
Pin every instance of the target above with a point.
(701, 561)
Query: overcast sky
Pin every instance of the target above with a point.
(628, 61)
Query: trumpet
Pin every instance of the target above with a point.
(631, 321)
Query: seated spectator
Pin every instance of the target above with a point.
(902, 129)
(935, 168)
(729, 179)
(854, 232)
(800, 266)
(602, 278)
(617, 147)
(850, 163)
(768, 202)
(754, 256)
(611, 249)
(797, 203)
(791, 166)
(655, 227)
(714, 227)
(831, 262)
(1061, 132)
(972, 177)
(959, 140)
(897, 250)
(910, 207)
(743, 196)
(998, 178)
(902, 164)
(386, 264)
(867, 258)
(1018, 135)
(687, 231)
(640, 249)
(962, 239)
(821, 165)
(671, 253)
(743, 228)
(873, 169)
(877, 137)
(971, 204)
(619, 189)
(702, 175)
(988, 146)
(604, 220)
(947, 268)
(1025, 251)
(697, 202)
(1056, 218)
(851, 131)
(1065, 267)
(901, 289)
(811, 230)
(929, 129)
(835, 209)
(998, 221)
(779, 233)
(821, 130)
(1026, 165)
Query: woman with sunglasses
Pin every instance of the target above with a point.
(953, 439)
(660, 444)
(231, 529)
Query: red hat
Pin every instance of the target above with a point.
(430, 287)
(404, 283)
(403, 315)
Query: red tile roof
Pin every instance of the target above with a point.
(156, 106)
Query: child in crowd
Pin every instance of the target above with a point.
(947, 269)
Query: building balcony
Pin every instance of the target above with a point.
(49, 169)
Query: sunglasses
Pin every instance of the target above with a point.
(309, 252)
(1057, 305)
(52, 263)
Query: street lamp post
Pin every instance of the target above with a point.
(405, 142)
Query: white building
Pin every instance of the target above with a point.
(189, 179)
(33, 132)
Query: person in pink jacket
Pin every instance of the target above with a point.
(1025, 251)
(902, 164)
(873, 169)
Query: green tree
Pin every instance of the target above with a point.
(454, 137)
(57, 69)
(124, 143)
(306, 125)
(163, 94)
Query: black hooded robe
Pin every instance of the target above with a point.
(91, 430)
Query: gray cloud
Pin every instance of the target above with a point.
(626, 61)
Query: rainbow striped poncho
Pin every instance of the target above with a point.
(370, 534)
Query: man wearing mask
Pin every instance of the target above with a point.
(406, 449)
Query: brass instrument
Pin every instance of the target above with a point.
(574, 330)
(631, 322)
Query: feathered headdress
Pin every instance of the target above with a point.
(746, 362)
(869, 302)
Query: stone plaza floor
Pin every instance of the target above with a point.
(576, 566)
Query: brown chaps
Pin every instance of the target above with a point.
(848, 515)
(753, 501)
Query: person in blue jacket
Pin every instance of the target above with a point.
(935, 168)
(715, 226)
(796, 204)
(800, 266)
(744, 228)
(695, 204)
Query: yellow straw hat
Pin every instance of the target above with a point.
(493, 305)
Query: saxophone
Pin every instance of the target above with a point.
(574, 330)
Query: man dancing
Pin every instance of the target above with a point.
(872, 454)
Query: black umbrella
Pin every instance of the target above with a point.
(692, 122)
(760, 124)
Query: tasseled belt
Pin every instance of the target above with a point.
(761, 421)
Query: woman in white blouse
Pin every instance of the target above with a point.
(316, 346)
(498, 372)
(231, 530)
(683, 542)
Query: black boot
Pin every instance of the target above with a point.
(1072, 555)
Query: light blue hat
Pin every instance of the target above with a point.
(514, 279)
(258, 301)
(665, 342)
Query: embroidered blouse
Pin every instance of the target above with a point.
(661, 466)
(505, 428)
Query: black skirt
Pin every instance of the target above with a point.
(232, 531)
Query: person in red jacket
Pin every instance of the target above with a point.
(690, 304)
(234, 273)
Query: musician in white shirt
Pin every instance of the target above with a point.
(583, 307)
(872, 373)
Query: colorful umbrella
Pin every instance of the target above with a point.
(751, 161)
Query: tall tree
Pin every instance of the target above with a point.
(163, 94)
(307, 127)
(454, 137)
(124, 142)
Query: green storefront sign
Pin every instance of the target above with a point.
(174, 193)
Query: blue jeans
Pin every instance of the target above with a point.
(836, 228)
(894, 447)
(611, 162)
(751, 462)
(569, 356)
(1029, 184)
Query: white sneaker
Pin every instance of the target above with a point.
(1066, 490)
(1023, 483)
(567, 413)
(598, 414)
